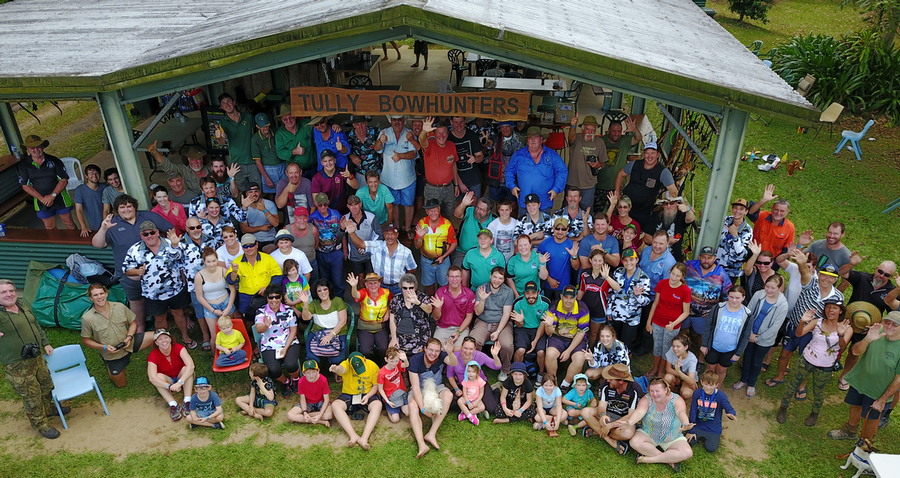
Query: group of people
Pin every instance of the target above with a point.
(308, 218)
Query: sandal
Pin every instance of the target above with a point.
(191, 345)
(843, 385)
(764, 368)
(800, 395)
(206, 346)
(751, 391)
(773, 383)
(622, 447)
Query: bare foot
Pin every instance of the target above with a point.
(432, 441)
(260, 417)
(422, 451)
(244, 412)
(501, 420)
(352, 442)
(364, 445)
(326, 423)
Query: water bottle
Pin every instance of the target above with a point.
(15, 151)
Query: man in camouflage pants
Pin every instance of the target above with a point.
(25, 366)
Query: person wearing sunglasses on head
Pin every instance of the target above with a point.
(158, 261)
(252, 271)
(192, 244)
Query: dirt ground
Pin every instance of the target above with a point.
(753, 420)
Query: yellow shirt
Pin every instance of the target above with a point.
(235, 339)
(255, 277)
(436, 240)
(355, 383)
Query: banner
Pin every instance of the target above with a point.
(499, 105)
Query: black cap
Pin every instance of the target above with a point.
(359, 118)
(569, 291)
(531, 285)
(707, 250)
(389, 227)
(532, 198)
(252, 186)
(432, 203)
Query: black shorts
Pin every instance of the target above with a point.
(723, 359)
(858, 336)
(523, 337)
(118, 365)
(351, 408)
(160, 307)
(856, 399)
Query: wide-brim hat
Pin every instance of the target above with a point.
(315, 120)
(589, 120)
(617, 371)
(284, 110)
(534, 131)
(35, 141)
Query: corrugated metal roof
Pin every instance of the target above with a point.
(687, 52)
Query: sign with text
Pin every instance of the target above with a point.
(499, 105)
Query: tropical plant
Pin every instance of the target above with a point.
(883, 14)
(752, 9)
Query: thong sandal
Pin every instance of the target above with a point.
(843, 385)
(206, 346)
(800, 395)
(622, 447)
(191, 345)
(773, 383)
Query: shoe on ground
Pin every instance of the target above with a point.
(461, 416)
(885, 419)
(781, 417)
(219, 426)
(502, 376)
(474, 419)
(842, 434)
(185, 409)
(572, 430)
(486, 414)
(175, 413)
(738, 385)
(65, 410)
(49, 433)
(811, 420)
(751, 391)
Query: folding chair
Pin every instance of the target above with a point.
(71, 377)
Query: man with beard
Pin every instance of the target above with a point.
(226, 183)
(618, 145)
(294, 142)
(469, 152)
(709, 285)
(772, 230)
(587, 157)
(830, 250)
(506, 144)
(674, 218)
(237, 127)
(294, 190)
(734, 242)
(871, 288)
(647, 178)
(475, 218)
(192, 173)
(121, 231)
(363, 154)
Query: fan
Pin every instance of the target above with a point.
(862, 315)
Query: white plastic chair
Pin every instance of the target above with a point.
(73, 169)
(70, 377)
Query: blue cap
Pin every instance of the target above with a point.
(506, 123)
(262, 120)
(472, 362)
(517, 367)
(651, 145)
(202, 381)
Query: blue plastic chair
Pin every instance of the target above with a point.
(853, 137)
(70, 377)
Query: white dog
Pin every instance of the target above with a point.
(433, 403)
(860, 457)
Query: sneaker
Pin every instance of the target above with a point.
(502, 376)
(65, 410)
(185, 409)
(474, 419)
(738, 385)
(572, 430)
(219, 426)
(175, 413)
(286, 388)
(461, 417)
(49, 433)
(751, 391)
(486, 414)
(842, 433)
(885, 420)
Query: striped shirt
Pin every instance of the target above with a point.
(810, 298)
(390, 266)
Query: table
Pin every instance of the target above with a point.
(372, 87)
(520, 84)
(354, 65)
(883, 464)
(174, 131)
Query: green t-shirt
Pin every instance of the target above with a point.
(328, 317)
(522, 271)
(264, 149)
(377, 206)
(468, 232)
(617, 156)
(481, 266)
(239, 134)
(532, 313)
(285, 142)
(876, 369)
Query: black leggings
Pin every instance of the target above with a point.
(372, 342)
(626, 333)
(286, 366)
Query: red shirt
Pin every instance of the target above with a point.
(392, 380)
(170, 366)
(671, 302)
(771, 236)
(315, 392)
(335, 187)
(439, 162)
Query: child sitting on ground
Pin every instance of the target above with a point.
(391, 385)
(229, 343)
(471, 402)
(549, 406)
(576, 400)
(261, 401)
(516, 396)
(206, 406)
(314, 400)
(707, 406)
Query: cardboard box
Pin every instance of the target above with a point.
(564, 112)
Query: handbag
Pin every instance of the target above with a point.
(330, 349)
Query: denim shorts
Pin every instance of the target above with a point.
(217, 306)
(405, 196)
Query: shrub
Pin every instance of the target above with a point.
(753, 9)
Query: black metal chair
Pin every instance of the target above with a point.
(457, 64)
(483, 65)
(360, 80)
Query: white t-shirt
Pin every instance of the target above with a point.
(504, 236)
(295, 254)
(226, 256)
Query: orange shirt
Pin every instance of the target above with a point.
(437, 240)
(373, 310)
(439, 162)
(771, 236)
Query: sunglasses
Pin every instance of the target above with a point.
(149, 233)
(761, 263)
(274, 297)
(408, 288)
(560, 228)
(248, 246)
(194, 228)
(881, 272)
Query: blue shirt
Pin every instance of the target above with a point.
(610, 245)
(580, 400)
(559, 265)
(549, 174)
(656, 270)
(205, 408)
(321, 145)
(92, 204)
(706, 411)
(329, 226)
(397, 174)
(728, 330)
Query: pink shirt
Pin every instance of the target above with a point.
(454, 310)
(176, 216)
(472, 390)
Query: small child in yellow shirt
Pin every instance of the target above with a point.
(229, 343)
